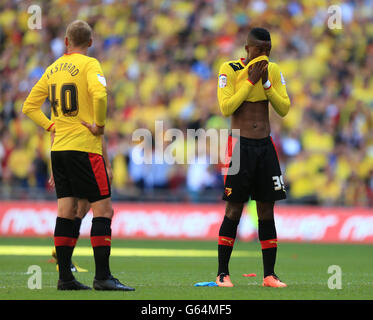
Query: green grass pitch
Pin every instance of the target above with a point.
(167, 270)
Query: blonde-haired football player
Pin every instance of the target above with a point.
(76, 88)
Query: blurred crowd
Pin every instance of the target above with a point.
(161, 58)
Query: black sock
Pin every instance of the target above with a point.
(268, 240)
(76, 229)
(64, 243)
(227, 236)
(101, 244)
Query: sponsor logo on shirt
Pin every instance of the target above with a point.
(101, 79)
(222, 80)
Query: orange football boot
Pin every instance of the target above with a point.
(273, 281)
(223, 280)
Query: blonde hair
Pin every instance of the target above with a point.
(79, 33)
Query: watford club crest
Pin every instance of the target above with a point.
(228, 191)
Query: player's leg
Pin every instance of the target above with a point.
(92, 183)
(63, 234)
(269, 188)
(82, 209)
(83, 206)
(101, 237)
(268, 240)
(236, 193)
(64, 242)
(267, 235)
(101, 243)
(227, 237)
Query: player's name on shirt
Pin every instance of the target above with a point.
(63, 67)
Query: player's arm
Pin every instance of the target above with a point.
(275, 91)
(34, 102)
(97, 89)
(51, 178)
(229, 100)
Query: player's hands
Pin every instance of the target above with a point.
(265, 73)
(95, 130)
(51, 181)
(109, 173)
(255, 71)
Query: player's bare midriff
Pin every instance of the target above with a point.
(252, 118)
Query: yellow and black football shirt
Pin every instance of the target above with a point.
(76, 88)
(234, 87)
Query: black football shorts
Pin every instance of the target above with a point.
(80, 175)
(259, 175)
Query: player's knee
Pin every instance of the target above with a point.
(103, 209)
(67, 208)
(265, 211)
(108, 213)
(83, 208)
(234, 210)
(68, 214)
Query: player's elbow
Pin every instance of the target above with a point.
(225, 113)
(225, 109)
(283, 109)
(25, 109)
(100, 109)
(286, 108)
(100, 95)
